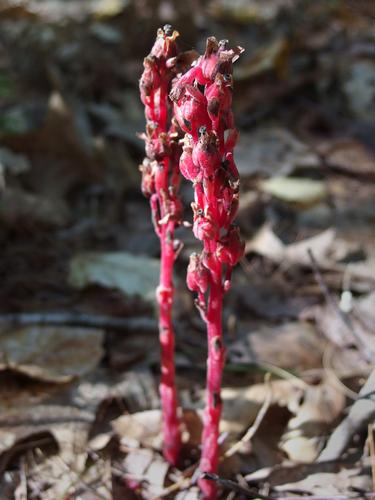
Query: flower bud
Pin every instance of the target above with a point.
(210, 59)
(188, 169)
(230, 250)
(197, 278)
(148, 183)
(192, 112)
(204, 228)
(149, 80)
(165, 43)
(205, 153)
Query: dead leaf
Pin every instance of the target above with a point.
(245, 11)
(349, 155)
(358, 84)
(144, 428)
(326, 247)
(330, 485)
(272, 151)
(320, 407)
(241, 404)
(65, 425)
(273, 57)
(12, 163)
(17, 206)
(266, 344)
(305, 192)
(103, 9)
(132, 274)
(53, 354)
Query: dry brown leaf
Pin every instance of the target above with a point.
(349, 155)
(144, 428)
(268, 244)
(65, 425)
(320, 407)
(53, 354)
(272, 151)
(294, 345)
(241, 404)
(18, 206)
(330, 485)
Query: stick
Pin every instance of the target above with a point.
(78, 319)
(233, 486)
(345, 318)
(258, 420)
(360, 414)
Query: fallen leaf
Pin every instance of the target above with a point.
(132, 274)
(321, 245)
(273, 57)
(346, 361)
(102, 9)
(18, 206)
(358, 83)
(68, 426)
(305, 192)
(141, 428)
(325, 246)
(320, 407)
(242, 404)
(144, 428)
(349, 155)
(13, 163)
(266, 344)
(268, 299)
(330, 485)
(53, 354)
(272, 151)
(245, 11)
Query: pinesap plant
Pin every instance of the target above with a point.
(202, 113)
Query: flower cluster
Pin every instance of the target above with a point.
(203, 109)
(160, 176)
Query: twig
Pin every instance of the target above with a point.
(78, 319)
(233, 486)
(20, 492)
(284, 374)
(344, 317)
(371, 445)
(360, 414)
(327, 365)
(79, 480)
(185, 482)
(258, 420)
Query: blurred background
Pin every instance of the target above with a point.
(79, 257)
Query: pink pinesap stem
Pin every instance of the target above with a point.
(168, 396)
(215, 364)
(160, 182)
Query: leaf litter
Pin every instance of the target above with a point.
(80, 413)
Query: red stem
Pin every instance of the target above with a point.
(215, 364)
(168, 396)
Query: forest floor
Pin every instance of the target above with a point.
(79, 354)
